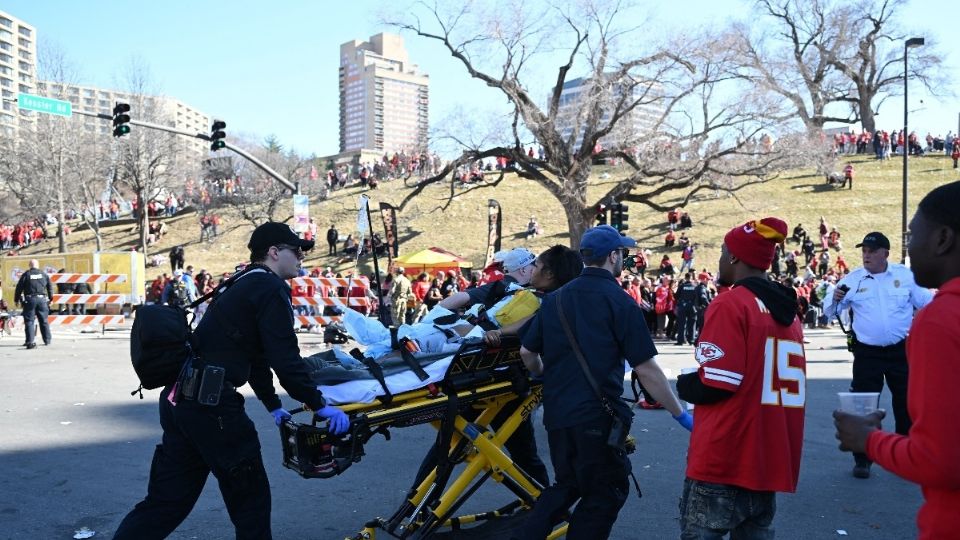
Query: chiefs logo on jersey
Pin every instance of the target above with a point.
(708, 352)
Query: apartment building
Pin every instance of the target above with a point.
(384, 99)
(18, 57)
(571, 113)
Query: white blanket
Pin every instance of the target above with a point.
(366, 391)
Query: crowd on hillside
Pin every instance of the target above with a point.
(884, 144)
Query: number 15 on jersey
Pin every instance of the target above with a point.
(779, 372)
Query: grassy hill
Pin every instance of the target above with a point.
(873, 204)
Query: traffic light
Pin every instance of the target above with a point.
(622, 217)
(601, 214)
(121, 119)
(217, 135)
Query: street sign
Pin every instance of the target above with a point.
(44, 105)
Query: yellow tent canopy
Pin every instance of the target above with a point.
(432, 259)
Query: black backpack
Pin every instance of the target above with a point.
(161, 340)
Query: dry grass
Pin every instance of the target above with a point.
(873, 204)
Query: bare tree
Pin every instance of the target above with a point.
(259, 197)
(658, 111)
(871, 58)
(146, 159)
(835, 61)
(39, 167)
(793, 59)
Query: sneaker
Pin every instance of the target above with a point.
(861, 471)
(649, 406)
(31, 345)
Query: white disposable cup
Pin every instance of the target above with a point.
(684, 371)
(859, 402)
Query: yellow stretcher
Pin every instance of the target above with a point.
(479, 384)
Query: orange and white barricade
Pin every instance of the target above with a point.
(314, 320)
(88, 299)
(356, 297)
(85, 320)
(100, 298)
(88, 278)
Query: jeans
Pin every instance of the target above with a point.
(710, 511)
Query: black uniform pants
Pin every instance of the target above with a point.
(587, 470)
(35, 311)
(331, 247)
(198, 440)
(871, 366)
(686, 324)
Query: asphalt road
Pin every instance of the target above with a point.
(75, 452)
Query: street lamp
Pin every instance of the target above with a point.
(909, 44)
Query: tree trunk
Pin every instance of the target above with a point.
(866, 117)
(575, 206)
(142, 222)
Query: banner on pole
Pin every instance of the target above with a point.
(389, 215)
(494, 221)
(301, 213)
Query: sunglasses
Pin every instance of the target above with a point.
(297, 250)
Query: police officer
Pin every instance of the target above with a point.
(34, 293)
(608, 327)
(883, 297)
(686, 297)
(248, 331)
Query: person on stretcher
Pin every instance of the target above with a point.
(504, 311)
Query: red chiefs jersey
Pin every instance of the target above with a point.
(752, 439)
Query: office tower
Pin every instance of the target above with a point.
(384, 99)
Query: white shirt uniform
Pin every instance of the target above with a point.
(883, 304)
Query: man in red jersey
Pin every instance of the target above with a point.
(930, 452)
(750, 393)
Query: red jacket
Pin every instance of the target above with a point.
(930, 453)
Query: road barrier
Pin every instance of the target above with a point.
(88, 278)
(358, 300)
(88, 299)
(85, 320)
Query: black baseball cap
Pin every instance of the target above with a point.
(875, 240)
(273, 233)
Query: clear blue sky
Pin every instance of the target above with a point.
(271, 67)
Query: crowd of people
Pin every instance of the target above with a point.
(23, 234)
(884, 144)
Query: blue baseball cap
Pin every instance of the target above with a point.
(600, 241)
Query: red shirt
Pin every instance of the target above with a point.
(752, 439)
(420, 289)
(930, 454)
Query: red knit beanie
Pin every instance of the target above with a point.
(755, 242)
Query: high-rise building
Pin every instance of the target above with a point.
(572, 111)
(18, 66)
(384, 99)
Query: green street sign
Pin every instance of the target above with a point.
(44, 105)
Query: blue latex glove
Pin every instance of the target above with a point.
(685, 419)
(339, 421)
(279, 415)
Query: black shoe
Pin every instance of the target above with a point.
(861, 471)
(678, 343)
(31, 345)
(46, 344)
